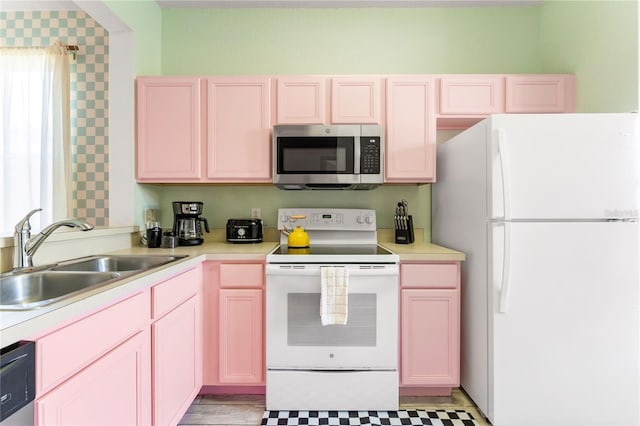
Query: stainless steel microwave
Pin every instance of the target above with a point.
(314, 156)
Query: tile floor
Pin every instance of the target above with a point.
(236, 410)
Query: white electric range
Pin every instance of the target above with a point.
(311, 366)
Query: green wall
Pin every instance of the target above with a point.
(598, 41)
(350, 41)
(144, 18)
(224, 202)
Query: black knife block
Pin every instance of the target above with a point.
(404, 235)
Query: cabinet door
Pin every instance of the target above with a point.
(241, 337)
(301, 100)
(539, 93)
(238, 129)
(411, 130)
(169, 129)
(114, 390)
(177, 362)
(471, 95)
(356, 100)
(117, 323)
(430, 338)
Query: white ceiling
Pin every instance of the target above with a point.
(38, 5)
(342, 3)
(69, 5)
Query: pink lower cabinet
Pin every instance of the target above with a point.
(111, 391)
(234, 325)
(177, 346)
(97, 369)
(430, 328)
(241, 336)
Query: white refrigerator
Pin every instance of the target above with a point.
(546, 209)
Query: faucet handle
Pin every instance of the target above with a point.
(24, 223)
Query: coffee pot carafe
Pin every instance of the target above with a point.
(187, 223)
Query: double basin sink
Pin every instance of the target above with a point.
(41, 286)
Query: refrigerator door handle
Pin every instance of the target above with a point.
(506, 175)
(506, 270)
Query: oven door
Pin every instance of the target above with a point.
(296, 339)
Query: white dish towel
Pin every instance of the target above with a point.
(334, 295)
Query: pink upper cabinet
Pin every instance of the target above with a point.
(356, 100)
(411, 130)
(301, 100)
(540, 93)
(238, 129)
(169, 129)
(471, 94)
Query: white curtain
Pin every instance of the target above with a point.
(35, 147)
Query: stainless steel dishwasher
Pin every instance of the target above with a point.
(17, 384)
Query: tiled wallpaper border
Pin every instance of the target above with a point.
(89, 100)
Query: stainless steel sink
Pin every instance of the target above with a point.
(115, 263)
(31, 290)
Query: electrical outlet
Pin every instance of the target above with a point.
(256, 213)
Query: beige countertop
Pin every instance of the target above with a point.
(17, 325)
(423, 252)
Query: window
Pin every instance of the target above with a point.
(34, 135)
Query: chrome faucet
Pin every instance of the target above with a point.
(25, 246)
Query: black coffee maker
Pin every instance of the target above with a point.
(187, 223)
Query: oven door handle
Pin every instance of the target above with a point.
(314, 270)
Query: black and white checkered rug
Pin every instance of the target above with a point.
(373, 418)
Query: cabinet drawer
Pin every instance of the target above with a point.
(241, 275)
(429, 275)
(66, 351)
(172, 292)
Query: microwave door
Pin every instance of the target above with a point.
(315, 155)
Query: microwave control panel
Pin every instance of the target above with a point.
(370, 155)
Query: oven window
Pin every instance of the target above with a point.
(305, 329)
(317, 155)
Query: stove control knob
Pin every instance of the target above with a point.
(368, 219)
(359, 219)
(284, 218)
